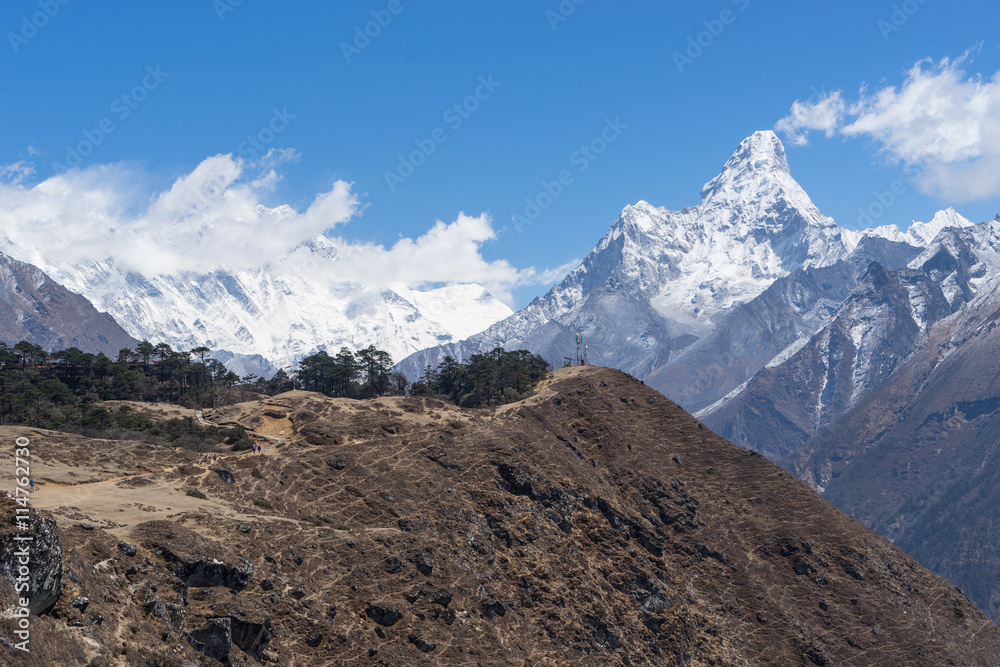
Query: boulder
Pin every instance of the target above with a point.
(387, 616)
(214, 639)
(210, 572)
(42, 554)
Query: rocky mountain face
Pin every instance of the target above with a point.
(35, 308)
(888, 409)
(917, 459)
(595, 523)
(771, 327)
(259, 320)
(885, 319)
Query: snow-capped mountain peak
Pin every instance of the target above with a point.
(919, 234)
(273, 315)
(758, 156)
(922, 233)
(680, 269)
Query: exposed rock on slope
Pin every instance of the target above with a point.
(886, 318)
(35, 308)
(595, 523)
(771, 327)
(918, 459)
(42, 554)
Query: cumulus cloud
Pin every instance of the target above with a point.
(823, 115)
(941, 123)
(446, 253)
(213, 219)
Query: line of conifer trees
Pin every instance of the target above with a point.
(62, 390)
(493, 377)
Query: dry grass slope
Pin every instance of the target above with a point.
(595, 523)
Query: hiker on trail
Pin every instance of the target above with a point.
(32, 483)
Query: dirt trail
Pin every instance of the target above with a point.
(116, 505)
(199, 416)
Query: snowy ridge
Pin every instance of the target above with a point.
(920, 234)
(889, 316)
(659, 280)
(271, 317)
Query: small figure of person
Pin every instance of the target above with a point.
(32, 482)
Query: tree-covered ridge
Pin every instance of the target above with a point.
(366, 373)
(63, 390)
(493, 377)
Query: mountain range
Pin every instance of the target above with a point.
(860, 360)
(887, 314)
(917, 458)
(660, 291)
(259, 320)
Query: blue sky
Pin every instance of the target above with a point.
(199, 78)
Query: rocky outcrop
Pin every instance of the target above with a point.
(195, 560)
(211, 572)
(31, 556)
(214, 639)
(217, 637)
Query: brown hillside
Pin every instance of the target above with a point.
(595, 523)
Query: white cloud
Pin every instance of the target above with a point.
(941, 123)
(446, 253)
(824, 115)
(17, 172)
(213, 219)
